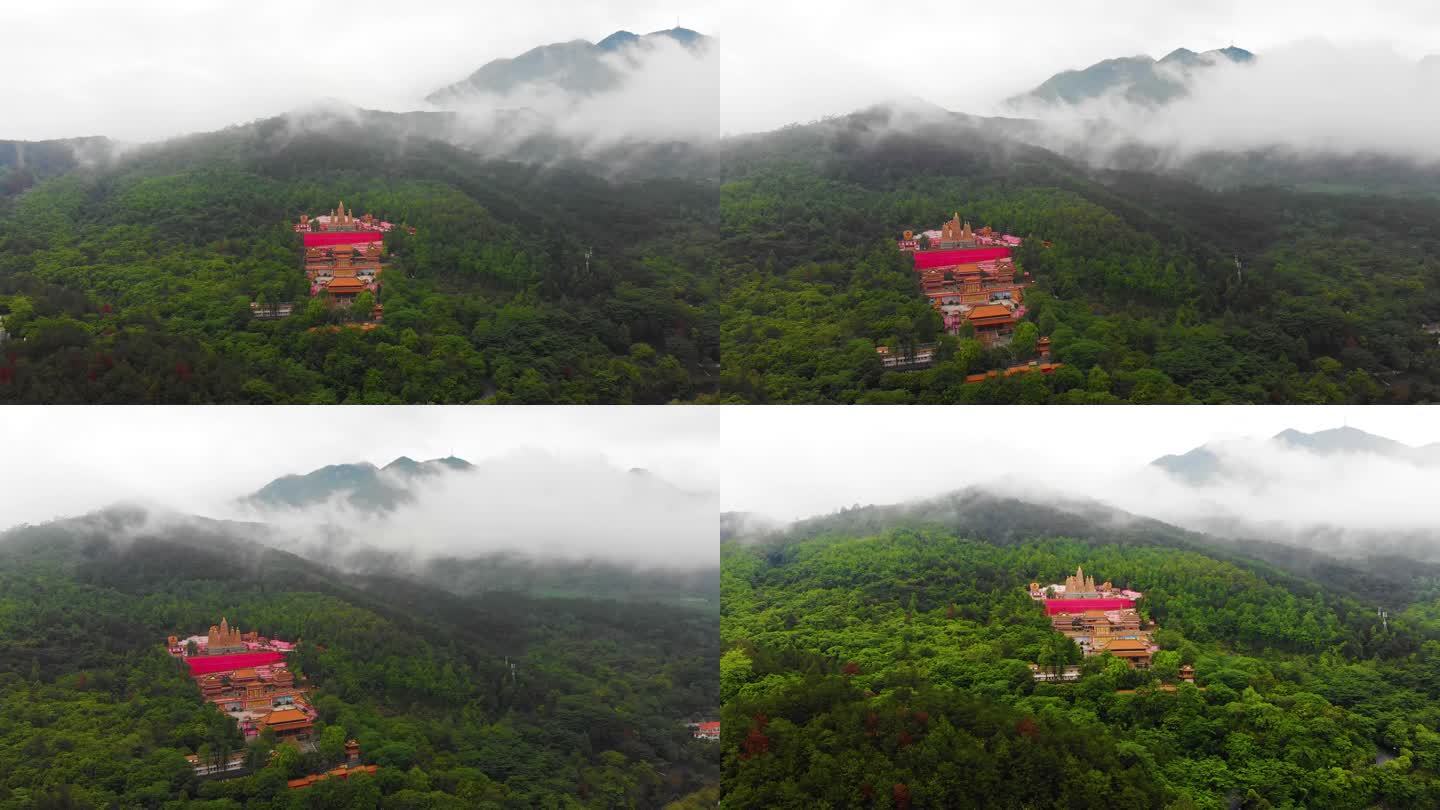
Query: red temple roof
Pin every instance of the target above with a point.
(942, 258)
(713, 725)
(327, 238)
(206, 664)
(1055, 607)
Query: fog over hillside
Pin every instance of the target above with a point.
(1349, 498)
(534, 503)
(1325, 78)
(156, 69)
(621, 485)
(1312, 96)
(1343, 489)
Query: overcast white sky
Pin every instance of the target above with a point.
(146, 68)
(139, 69)
(789, 463)
(60, 461)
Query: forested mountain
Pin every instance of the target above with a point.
(579, 67)
(1383, 577)
(696, 586)
(551, 267)
(496, 699)
(1204, 464)
(363, 486)
(1155, 288)
(1136, 79)
(1230, 487)
(523, 282)
(882, 659)
(24, 163)
(737, 525)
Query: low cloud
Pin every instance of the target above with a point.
(665, 91)
(1342, 503)
(1345, 504)
(783, 468)
(542, 505)
(554, 481)
(1313, 97)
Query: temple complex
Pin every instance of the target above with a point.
(1100, 618)
(245, 676)
(341, 220)
(344, 253)
(344, 271)
(969, 277)
(1082, 586)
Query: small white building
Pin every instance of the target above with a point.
(1069, 673)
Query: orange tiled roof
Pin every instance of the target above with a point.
(345, 284)
(282, 716)
(989, 311)
(342, 772)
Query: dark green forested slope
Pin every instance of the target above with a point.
(891, 670)
(93, 713)
(1384, 579)
(132, 283)
(1140, 292)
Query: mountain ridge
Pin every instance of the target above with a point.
(393, 655)
(578, 66)
(1205, 464)
(364, 486)
(1141, 79)
(1003, 519)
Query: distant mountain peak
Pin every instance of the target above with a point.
(1202, 465)
(1139, 79)
(619, 39)
(1344, 439)
(362, 485)
(1180, 55)
(684, 36)
(1235, 54)
(577, 67)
